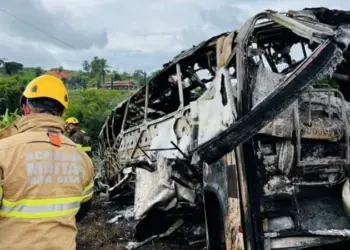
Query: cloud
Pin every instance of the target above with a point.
(25, 53)
(144, 43)
(30, 21)
(138, 34)
(120, 59)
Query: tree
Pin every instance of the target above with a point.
(2, 61)
(140, 77)
(98, 71)
(99, 68)
(10, 91)
(126, 76)
(86, 66)
(38, 71)
(77, 82)
(115, 76)
(12, 68)
(60, 69)
(92, 106)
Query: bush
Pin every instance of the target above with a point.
(7, 118)
(91, 107)
(11, 89)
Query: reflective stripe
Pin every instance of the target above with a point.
(8, 209)
(44, 208)
(44, 211)
(1, 193)
(89, 188)
(40, 202)
(84, 148)
(88, 191)
(41, 209)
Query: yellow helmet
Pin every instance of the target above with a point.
(72, 120)
(47, 86)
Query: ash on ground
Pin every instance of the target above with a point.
(111, 226)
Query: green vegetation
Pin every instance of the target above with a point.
(92, 106)
(87, 100)
(97, 72)
(7, 118)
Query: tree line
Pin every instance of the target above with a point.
(88, 101)
(97, 72)
(94, 73)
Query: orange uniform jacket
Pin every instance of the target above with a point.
(43, 184)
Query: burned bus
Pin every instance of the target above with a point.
(250, 125)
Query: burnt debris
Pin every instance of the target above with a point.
(250, 124)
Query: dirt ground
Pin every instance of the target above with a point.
(95, 233)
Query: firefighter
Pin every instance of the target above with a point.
(46, 183)
(79, 136)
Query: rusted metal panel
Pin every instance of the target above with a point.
(233, 235)
(233, 232)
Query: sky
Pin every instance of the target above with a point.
(130, 34)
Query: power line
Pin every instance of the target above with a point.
(36, 28)
(42, 31)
